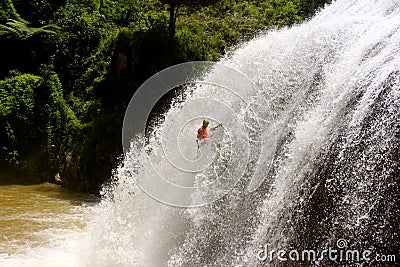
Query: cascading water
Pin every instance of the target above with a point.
(333, 125)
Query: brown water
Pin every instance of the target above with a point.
(37, 216)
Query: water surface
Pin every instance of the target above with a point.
(33, 217)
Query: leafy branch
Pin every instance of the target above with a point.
(15, 29)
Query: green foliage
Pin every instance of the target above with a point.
(16, 110)
(81, 35)
(7, 11)
(37, 126)
(20, 30)
(209, 32)
(38, 12)
(136, 14)
(190, 6)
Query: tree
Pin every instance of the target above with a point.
(7, 11)
(175, 5)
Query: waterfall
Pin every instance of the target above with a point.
(329, 161)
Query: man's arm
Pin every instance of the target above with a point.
(199, 133)
(214, 128)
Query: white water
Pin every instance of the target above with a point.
(333, 90)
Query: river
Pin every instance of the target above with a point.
(39, 223)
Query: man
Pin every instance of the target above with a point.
(202, 133)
